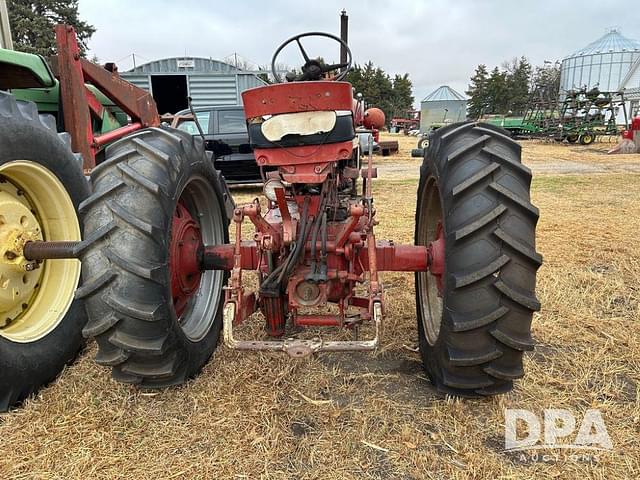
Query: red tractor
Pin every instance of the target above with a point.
(161, 278)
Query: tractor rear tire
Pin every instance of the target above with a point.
(474, 330)
(41, 184)
(138, 190)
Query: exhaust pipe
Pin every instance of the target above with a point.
(344, 36)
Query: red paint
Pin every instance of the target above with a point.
(307, 154)
(374, 118)
(78, 103)
(184, 266)
(220, 257)
(635, 127)
(77, 118)
(116, 134)
(317, 321)
(397, 258)
(390, 257)
(297, 97)
(274, 311)
(437, 257)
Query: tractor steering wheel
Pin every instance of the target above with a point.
(312, 69)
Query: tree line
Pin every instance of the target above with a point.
(32, 23)
(507, 89)
(394, 96)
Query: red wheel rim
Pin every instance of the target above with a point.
(184, 267)
(436, 257)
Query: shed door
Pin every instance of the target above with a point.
(170, 93)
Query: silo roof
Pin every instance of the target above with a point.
(444, 93)
(612, 41)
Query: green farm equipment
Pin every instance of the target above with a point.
(581, 116)
(31, 79)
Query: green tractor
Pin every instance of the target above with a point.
(48, 141)
(30, 79)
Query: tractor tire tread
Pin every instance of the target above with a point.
(490, 260)
(139, 333)
(96, 283)
(25, 134)
(148, 270)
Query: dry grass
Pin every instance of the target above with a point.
(264, 416)
(405, 144)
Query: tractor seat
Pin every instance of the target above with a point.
(301, 129)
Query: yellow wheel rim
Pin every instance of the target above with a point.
(34, 205)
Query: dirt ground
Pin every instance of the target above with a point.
(376, 416)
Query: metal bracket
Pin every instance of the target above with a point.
(299, 348)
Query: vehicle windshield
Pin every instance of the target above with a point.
(231, 121)
(190, 126)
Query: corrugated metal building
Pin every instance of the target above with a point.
(208, 82)
(603, 63)
(443, 105)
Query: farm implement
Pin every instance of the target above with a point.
(581, 116)
(162, 280)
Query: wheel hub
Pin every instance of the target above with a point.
(186, 240)
(436, 257)
(18, 276)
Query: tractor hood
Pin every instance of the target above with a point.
(24, 70)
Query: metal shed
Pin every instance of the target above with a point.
(208, 82)
(443, 105)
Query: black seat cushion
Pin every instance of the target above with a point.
(342, 132)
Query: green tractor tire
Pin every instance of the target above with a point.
(41, 187)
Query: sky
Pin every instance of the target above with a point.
(437, 42)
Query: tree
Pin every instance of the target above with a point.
(32, 24)
(547, 76)
(478, 95)
(505, 90)
(393, 97)
(402, 95)
(518, 78)
(497, 94)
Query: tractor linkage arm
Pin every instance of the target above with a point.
(79, 104)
